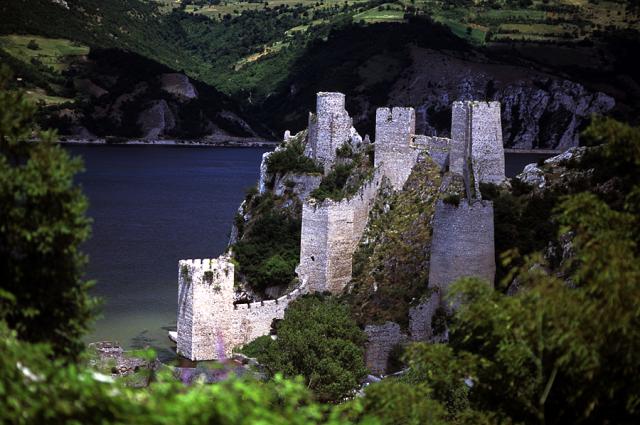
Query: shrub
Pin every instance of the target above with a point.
(344, 180)
(452, 199)
(291, 159)
(269, 250)
(33, 45)
(319, 340)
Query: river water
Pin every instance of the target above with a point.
(155, 205)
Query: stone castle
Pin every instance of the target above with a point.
(210, 325)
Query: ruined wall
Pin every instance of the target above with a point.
(420, 318)
(330, 234)
(329, 128)
(487, 152)
(460, 137)
(476, 132)
(210, 326)
(395, 129)
(462, 243)
(436, 147)
(300, 185)
(381, 339)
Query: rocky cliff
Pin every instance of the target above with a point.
(125, 95)
(538, 110)
(546, 100)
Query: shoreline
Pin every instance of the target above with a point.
(238, 142)
(535, 151)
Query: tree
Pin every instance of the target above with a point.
(563, 348)
(36, 389)
(318, 340)
(33, 45)
(42, 224)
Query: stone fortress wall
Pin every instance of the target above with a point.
(463, 236)
(210, 325)
(394, 154)
(462, 243)
(476, 128)
(330, 234)
(329, 128)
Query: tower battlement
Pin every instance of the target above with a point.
(329, 128)
(394, 154)
(395, 126)
(476, 132)
(328, 103)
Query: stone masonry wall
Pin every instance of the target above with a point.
(210, 326)
(420, 318)
(460, 137)
(329, 128)
(487, 151)
(381, 339)
(330, 234)
(477, 136)
(395, 130)
(462, 243)
(436, 147)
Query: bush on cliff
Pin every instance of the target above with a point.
(269, 250)
(291, 159)
(318, 340)
(345, 179)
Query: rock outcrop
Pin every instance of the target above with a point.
(156, 120)
(538, 110)
(131, 97)
(178, 85)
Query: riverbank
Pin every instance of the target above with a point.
(535, 151)
(230, 141)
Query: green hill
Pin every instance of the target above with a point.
(271, 56)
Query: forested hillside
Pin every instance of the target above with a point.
(271, 57)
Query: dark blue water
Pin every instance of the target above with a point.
(152, 206)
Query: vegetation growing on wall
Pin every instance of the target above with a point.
(391, 264)
(269, 248)
(291, 159)
(349, 173)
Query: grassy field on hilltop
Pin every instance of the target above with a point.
(39, 63)
(53, 52)
(250, 50)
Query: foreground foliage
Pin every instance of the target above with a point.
(35, 390)
(42, 223)
(562, 349)
(318, 340)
